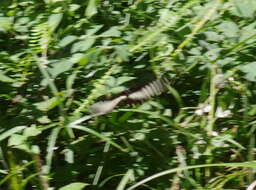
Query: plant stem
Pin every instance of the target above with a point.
(211, 116)
(212, 100)
(42, 67)
(198, 26)
(14, 179)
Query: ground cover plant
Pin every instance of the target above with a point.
(59, 57)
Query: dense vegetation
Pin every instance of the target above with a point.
(58, 57)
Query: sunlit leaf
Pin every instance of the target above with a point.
(229, 29)
(74, 7)
(249, 70)
(245, 8)
(10, 132)
(91, 8)
(47, 104)
(74, 186)
(123, 52)
(44, 120)
(117, 89)
(82, 45)
(70, 81)
(31, 131)
(123, 79)
(5, 24)
(69, 156)
(67, 40)
(16, 139)
(113, 31)
(94, 29)
(60, 67)
(213, 36)
(4, 78)
(54, 21)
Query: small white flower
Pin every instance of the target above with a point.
(214, 133)
(231, 106)
(207, 109)
(203, 109)
(199, 112)
(200, 142)
(231, 79)
(220, 113)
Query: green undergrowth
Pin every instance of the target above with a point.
(58, 57)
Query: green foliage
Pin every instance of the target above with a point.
(59, 57)
(74, 186)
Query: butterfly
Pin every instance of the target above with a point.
(151, 89)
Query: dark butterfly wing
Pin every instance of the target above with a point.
(152, 89)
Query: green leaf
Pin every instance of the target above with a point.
(31, 131)
(169, 171)
(4, 78)
(123, 79)
(117, 89)
(123, 52)
(19, 142)
(10, 132)
(5, 24)
(229, 29)
(24, 147)
(248, 32)
(74, 186)
(167, 16)
(111, 81)
(69, 155)
(91, 8)
(67, 40)
(44, 120)
(245, 8)
(249, 70)
(74, 7)
(95, 133)
(79, 58)
(70, 81)
(16, 139)
(129, 176)
(93, 54)
(47, 104)
(60, 67)
(35, 149)
(50, 148)
(113, 31)
(213, 36)
(54, 21)
(4, 171)
(94, 29)
(82, 45)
